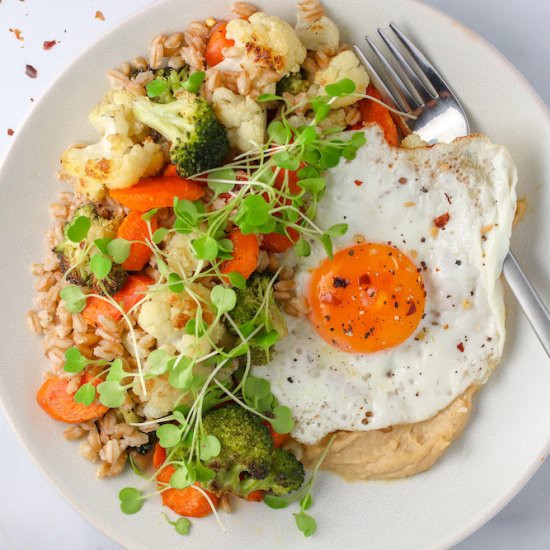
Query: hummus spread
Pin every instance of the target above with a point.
(394, 452)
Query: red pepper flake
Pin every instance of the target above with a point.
(364, 280)
(460, 347)
(49, 44)
(329, 299)
(30, 71)
(403, 181)
(18, 34)
(441, 221)
(358, 183)
(99, 15)
(10, 132)
(340, 282)
(412, 309)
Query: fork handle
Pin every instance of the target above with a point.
(536, 312)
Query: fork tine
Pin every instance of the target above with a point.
(424, 93)
(394, 77)
(379, 83)
(428, 70)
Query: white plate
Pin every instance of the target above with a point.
(509, 433)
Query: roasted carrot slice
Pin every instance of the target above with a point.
(255, 496)
(275, 242)
(134, 228)
(185, 502)
(245, 254)
(374, 112)
(157, 192)
(216, 44)
(60, 405)
(132, 292)
(278, 439)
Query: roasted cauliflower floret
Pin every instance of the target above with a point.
(344, 65)
(121, 157)
(243, 118)
(180, 257)
(268, 41)
(321, 35)
(161, 397)
(165, 316)
(114, 114)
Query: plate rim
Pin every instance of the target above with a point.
(461, 533)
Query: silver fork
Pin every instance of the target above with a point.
(418, 88)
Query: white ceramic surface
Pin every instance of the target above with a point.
(510, 430)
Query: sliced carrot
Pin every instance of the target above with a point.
(157, 192)
(132, 292)
(275, 242)
(159, 456)
(188, 501)
(278, 439)
(134, 228)
(171, 170)
(255, 496)
(245, 254)
(60, 405)
(374, 112)
(216, 44)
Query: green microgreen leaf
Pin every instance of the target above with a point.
(169, 435)
(100, 265)
(205, 248)
(307, 135)
(194, 82)
(276, 502)
(175, 283)
(74, 360)
(278, 132)
(269, 97)
(131, 500)
(223, 299)
(302, 248)
(313, 185)
(305, 523)
(148, 216)
(193, 328)
(85, 395)
(266, 339)
(209, 447)
(158, 362)
(117, 372)
(111, 394)
(78, 229)
(222, 174)
(181, 375)
(101, 244)
(326, 241)
(119, 249)
(237, 280)
(156, 87)
(306, 502)
(282, 421)
(337, 230)
(204, 474)
(182, 526)
(343, 87)
(159, 234)
(183, 477)
(74, 298)
(284, 159)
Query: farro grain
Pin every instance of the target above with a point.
(176, 62)
(243, 9)
(281, 296)
(285, 286)
(225, 503)
(311, 10)
(118, 80)
(74, 432)
(139, 63)
(34, 322)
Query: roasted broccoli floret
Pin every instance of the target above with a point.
(293, 83)
(198, 140)
(248, 461)
(74, 258)
(166, 83)
(250, 301)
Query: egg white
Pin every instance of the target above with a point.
(393, 195)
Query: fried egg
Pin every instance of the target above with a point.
(409, 311)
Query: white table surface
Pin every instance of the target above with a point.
(32, 514)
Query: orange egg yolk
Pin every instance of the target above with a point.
(369, 297)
